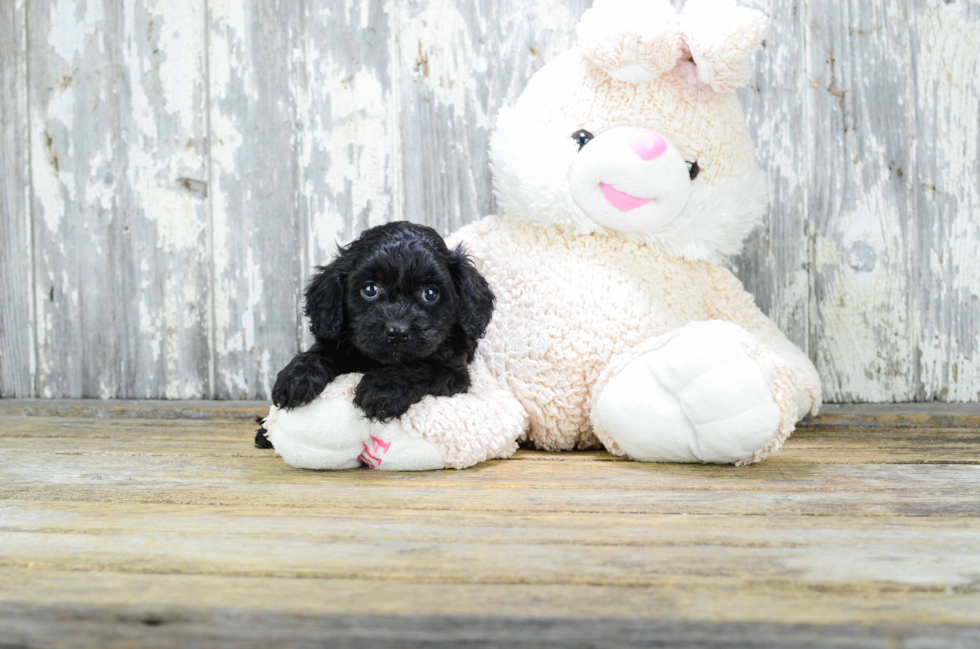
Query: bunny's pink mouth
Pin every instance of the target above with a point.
(621, 200)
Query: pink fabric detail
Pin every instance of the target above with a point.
(646, 144)
(377, 442)
(371, 460)
(621, 200)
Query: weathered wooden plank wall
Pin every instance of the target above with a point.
(118, 141)
(17, 371)
(172, 170)
(946, 199)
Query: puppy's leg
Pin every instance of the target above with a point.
(388, 392)
(302, 380)
(261, 435)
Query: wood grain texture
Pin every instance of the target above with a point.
(256, 233)
(183, 530)
(774, 265)
(189, 170)
(859, 199)
(118, 144)
(946, 195)
(17, 370)
(82, 625)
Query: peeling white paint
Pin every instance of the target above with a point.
(44, 178)
(357, 149)
(948, 74)
(179, 224)
(226, 143)
(182, 25)
(69, 27)
(61, 107)
(253, 280)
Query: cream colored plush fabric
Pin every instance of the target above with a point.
(615, 324)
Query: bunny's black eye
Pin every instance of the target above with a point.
(694, 169)
(581, 137)
(369, 291)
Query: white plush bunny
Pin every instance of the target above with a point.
(626, 174)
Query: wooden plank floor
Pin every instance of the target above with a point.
(158, 524)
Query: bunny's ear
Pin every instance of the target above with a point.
(722, 37)
(631, 40)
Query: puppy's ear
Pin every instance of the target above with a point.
(325, 297)
(475, 297)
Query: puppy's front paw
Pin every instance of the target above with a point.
(299, 383)
(262, 435)
(382, 398)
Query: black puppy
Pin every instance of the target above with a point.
(399, 306)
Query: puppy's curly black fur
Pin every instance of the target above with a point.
(399, 306)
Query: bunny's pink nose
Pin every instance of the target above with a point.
(646, 144)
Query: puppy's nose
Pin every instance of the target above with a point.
(397, 332)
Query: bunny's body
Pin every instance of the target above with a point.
(626, 174)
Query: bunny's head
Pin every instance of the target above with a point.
(638, 130)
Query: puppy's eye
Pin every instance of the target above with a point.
(369, 291)
(581, 137)
(693, 169)
(430, 294)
